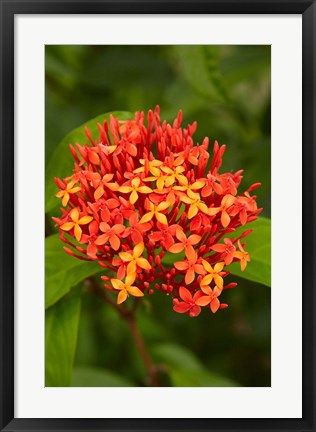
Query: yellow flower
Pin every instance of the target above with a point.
(213, 274)
(243, 256)
(173, 175)
(134, 188)
(76, 222)
(126, 288)
(64, 194)
(135, 259)
(195, 204)
(155, 211)
(151, 164)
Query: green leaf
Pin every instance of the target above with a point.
(61, 328)
(186, 370)
(61, 162)
(199, 66)
(62, 271)
(258, 244)
(97, 377)
(199, 378)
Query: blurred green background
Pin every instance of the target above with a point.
(227, 90)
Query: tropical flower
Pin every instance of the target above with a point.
(151, 206)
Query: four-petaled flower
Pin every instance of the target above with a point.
(189, 303)
(226, 202)
(134, 188)
(65, 193)
(126, 288)
(185, 242)
(156, 211)
(210, 298)
(136, 230)
(195, 204)
(242, 255)
(111, 234)
(213, 273)
(191, 265)
(106, 181)
(76, 222)
(165, 235)
(226, 250)
(135, 259)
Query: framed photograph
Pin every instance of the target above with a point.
(157, 194)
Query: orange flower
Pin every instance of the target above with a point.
(243, 256)
(106, 181)
(210, 298)
(65, 193)
(189, 303)
(110, 234)
(126, 288)
(185, 243)
(191, 266)
(135, 259)
(227, 202)
(76, 222)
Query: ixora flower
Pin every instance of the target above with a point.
(151, 206)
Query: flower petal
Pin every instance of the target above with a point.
(114, 241)
(162, 206)
(225, 219)
(181, 265)
(74, 214)
(143, 263)
(130, 278)
(122, 296)
(180, 235)
(78, 232)
(136, 182)
(176, 248)
(207, 279)
(65, 199)
(189, 276)
(193, 210)
(144, 189)
(147, 217)
(215, 304)
(125, 189)
(203, 301)
(98, 192)
(218, 281)
(85, 220)
(67, 226)
(194, 239)
(133, 197)
(181, 307)
(134, 291)
(185, 294)
(117, 284)
(161, 218)
(125, 256)
(101, 240)
(219, 267)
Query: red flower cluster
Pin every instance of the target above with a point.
(145, 196)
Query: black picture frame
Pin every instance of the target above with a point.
(8, 9)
